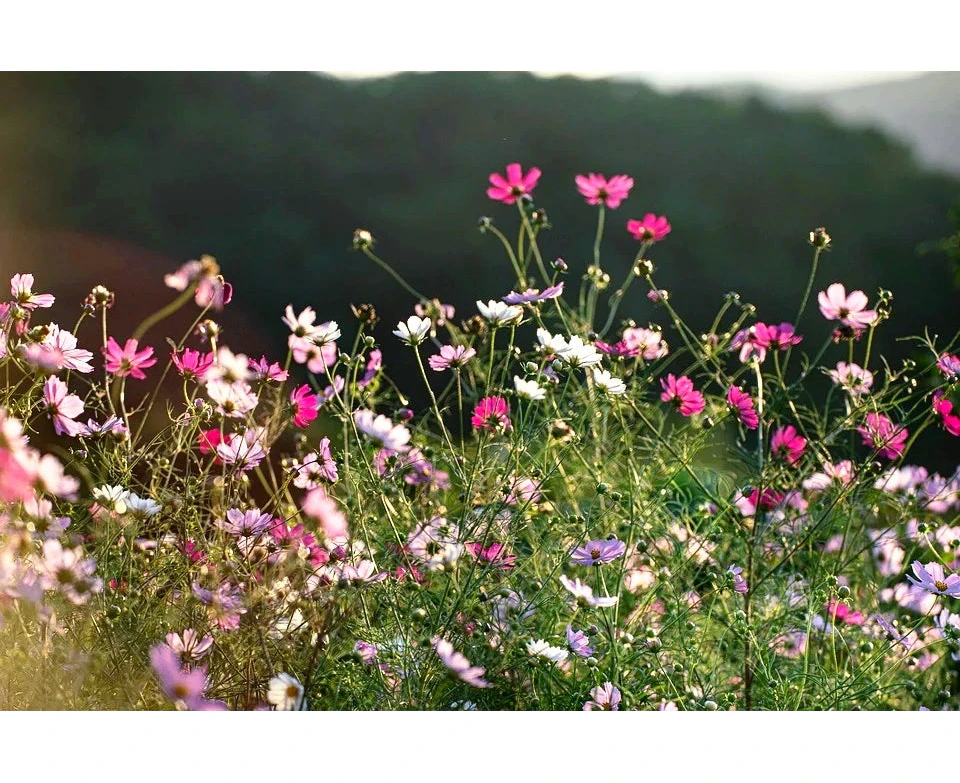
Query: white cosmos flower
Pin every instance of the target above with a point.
(326, 333)
(529, 390)
(286, 693)
(112, 498)
(609, 383)
(230, 367)
(142, 507)
(499, 313)
(414, 331)
(551, 343)
(580, 354)
(540, 649)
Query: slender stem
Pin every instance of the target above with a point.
(390, 271)
(163, 312)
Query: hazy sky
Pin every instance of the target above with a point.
(788, 80)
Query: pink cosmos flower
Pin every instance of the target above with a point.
(516, 184)
(264, 370)
(739, 583)
(305, 406)
(618, 350)
(193, 365)
(880, 433)
(233, 400)
(393, 436)
(67, 571)
(127, 360)
(841, 473)
(604, 697)
(224, 605)
(21, 289)
(179, 684)
(364, 572)
(188, 645)
(949, 365)
(944, 408)
(648, 343)
(598, 551)
(852, 377)
(317, 357)
(457, 663)
(837, 611)
(59, 351)
(756, 340)
(658, 295)
(786, 444)
(931, 577)
(534, 295)
(750, 499)
(742, 404)
(579, 643)
(850, 310)
(679, 391)
(323, 508)
(650, 229)
(493, 555)
(317, 466)
(597, 189)
(491, 414)
(62, 407)
(451, 356)
(374, 363)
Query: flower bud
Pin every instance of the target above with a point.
(559, 265)
(819, 238)
(362, 239)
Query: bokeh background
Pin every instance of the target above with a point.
(120, 177)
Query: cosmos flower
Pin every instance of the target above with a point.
(499, 313)
(742, 404)
(529, 390)
(127, 360)
(451, 356)
(393, 436)
(305, 406)
(181, 685)
(534, 295)
(491, 414)
(540, 649)
(604, 697)
(850, 310)
(853, 378)
(648, 343)
(192, 365)
(515, 185)
(414, 331)
(584, 594)
(787, 445)
(679, 391)
(458, 664)
(212, 291)
(598, 551)
(931, 577)
(62, 408)
(285, 693)
(650, 229)
(243, 524)
(608, 383)
(579, 643)
(880, 433)
(21, 289)
(598, 190)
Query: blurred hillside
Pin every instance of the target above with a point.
(271, 173)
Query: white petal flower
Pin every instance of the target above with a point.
(414, 331)
(529, 390)
(609, 383)
(393, 436)
(286, 693)
(142, 507)
(112, 498)
(540, 649)
(580, 354)
(499, 313)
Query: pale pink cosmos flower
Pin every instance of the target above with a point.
(245, 524)
(584, 594)
(67, 571)
(374, 363)
(189, 645)
(491, 414)
(113, 425)
(62, 407)
(597, 189)
(61, 346)
(853, 378)
(650, 229)
(451, 356)
(648, 343)
(931, 577)
(880, 433)
(436, 542)
(739, 583)
(742, 404)
(458, 664)
(787, 444)
(244, 452)
(229, 366)
(317, 357)
(604, 697)
(128, 360)
(233, 400)
(224, 605)
(21, 289)
(319, 505)
(317, 466)
(305, 404)
(850, 310)
(598, 551)
(949, 365)
(181, 685)
(212, 291)
(515, 185)
(579, 643)
(841, 473)
(534, 295)
(679, 391)
(393, 436)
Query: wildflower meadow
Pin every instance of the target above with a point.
(572, 510)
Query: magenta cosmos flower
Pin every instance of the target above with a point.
(931, 577)
(597, 189)
(598, 551)
(305, 406)
(451, 356)
(515, 185)
(742, 404)
(494, 555)
(128, 360)
(679, 391)
(787, 445)
(192, 365)
(944, 409)
(880, 433)
(604, 697)
(458, 664)
(62, 407)
(850, 310)
(650, 229)
(491, 414)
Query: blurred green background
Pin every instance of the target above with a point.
(134, 173)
